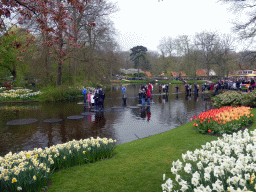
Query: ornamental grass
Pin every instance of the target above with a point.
(228, 164)
(223, 120)
(30, 170)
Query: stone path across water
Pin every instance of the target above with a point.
(54, 120)
(75, 117)
(22, 121)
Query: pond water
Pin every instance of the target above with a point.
(121, 123)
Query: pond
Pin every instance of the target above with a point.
(121, 123)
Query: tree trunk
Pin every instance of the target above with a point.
(60, 58)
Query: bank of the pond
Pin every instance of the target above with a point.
(160, 81)
(137, 166)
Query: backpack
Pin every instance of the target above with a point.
(144, 94)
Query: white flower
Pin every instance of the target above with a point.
(187, 168)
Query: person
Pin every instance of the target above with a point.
(190, 88)
(167, 88)
(160, 88)
(101, 99)
(96, 100)
(203, 87)
(140, 95)
(89, 98)
(163, 88)
(250, 87)
(177, 88)
(187, 89)
(195, 89)
(84, 93)
(92, 99)
(148, 95)
(211, 87)
(252, 83)
(238, 85)
(150, 87)
(144, 96)
(216, 87)
(123, 91)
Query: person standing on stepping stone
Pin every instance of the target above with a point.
(148, 95)
(84, 93)
(123, 91)
(150, 87)
(177, 88)
(144, 96)
(160, 88)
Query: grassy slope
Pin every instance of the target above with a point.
(137, 166)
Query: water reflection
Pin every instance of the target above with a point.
(123, 121)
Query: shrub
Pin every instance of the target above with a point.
(60, 93)
(229, 98)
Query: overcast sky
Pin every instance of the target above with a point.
(145, 22)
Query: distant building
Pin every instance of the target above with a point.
(203, 73)
(130, 71)
(244, 72)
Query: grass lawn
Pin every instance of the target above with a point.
(138, 166)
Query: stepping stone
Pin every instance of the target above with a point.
(88, 113)
(140, 105)
(117, 107)
(134, 107)
(75, 117)
(54, 120)
(102, 110)
(82, 103)
(22, 121)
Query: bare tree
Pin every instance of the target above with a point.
(206, 43)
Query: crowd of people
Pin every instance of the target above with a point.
(145, 94)
(163, 88)
(95, 98)
(229, 84)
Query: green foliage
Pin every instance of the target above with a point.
(139, 54)
(60, 93)
(135, 75)
(8, 51)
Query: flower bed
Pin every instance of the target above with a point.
(14, 94)
(29, 170)
(223, 120)
(227, 164)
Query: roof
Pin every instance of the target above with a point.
(174, 74)
(203, 72)
(147, 73)
(183, 74)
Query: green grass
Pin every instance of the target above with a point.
(137, 166)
